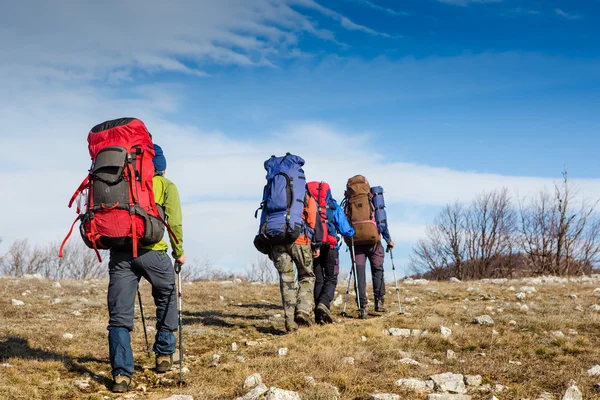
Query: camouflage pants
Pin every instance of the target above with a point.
(295, 298)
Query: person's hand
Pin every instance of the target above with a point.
(316, 253)
(390, 246)
(181, 260)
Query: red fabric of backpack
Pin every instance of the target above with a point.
(319, 191)
(119, 210)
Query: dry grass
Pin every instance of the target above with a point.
(45, 366)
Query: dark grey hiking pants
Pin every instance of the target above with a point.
(125, 274)
(376, 256)
(327, 268)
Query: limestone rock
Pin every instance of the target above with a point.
(573, 393)
(17, 303)
(282, 352)
(37, 276)
(68, 336)
(384, 396)
(450, 355)
(179, 397)
(338, 301)
(528, 289)
(443, 396)
(256, 393)
(484, 320)
(56, 285)
(449, 382)
(83, 384)
(399, 332)
(473, 380)
(446, 332)
(594, 371)
(454, 280)
(348, 360)
(521, 296)
(234, 347)
(252, 381)
(279, 394)
(416, 385)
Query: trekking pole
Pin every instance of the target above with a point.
(361, 311)
(350, 275)
(389, 249)
(179, 312)
(144, 324)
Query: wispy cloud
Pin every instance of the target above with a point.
(344, 21)
(464, 3)
(384, 9)
(566, 15)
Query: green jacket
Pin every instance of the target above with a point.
(166, 195)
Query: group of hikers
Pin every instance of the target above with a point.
(126, 203)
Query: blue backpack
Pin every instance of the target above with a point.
(379, 204)
(282, 203)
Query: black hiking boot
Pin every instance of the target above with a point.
(362, 313)
(324, 314)
(164, 363)
(121, 384)
(379, 308)
(302, 319)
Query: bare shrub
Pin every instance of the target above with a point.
(262, 271)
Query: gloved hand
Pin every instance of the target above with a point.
(390, 246)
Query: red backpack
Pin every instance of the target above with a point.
(320, 191)
(119, 210)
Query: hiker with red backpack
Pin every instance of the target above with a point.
(128, 202)
(327, 265)
(290, 233)
(365, 208)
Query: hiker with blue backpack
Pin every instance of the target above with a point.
(290, 233)
(327, 265)
(365, 208)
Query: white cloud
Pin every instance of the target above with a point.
(566, 15)
(384, 9)
(464, 3)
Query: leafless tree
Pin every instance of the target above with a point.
(560, 232)
(489, 225)
(262, 271)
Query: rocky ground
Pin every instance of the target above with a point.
(495, 339)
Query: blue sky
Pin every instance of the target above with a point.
(436, 100)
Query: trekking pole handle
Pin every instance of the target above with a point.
(177, 267)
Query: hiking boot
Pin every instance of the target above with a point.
(302, 319)
(324, 314)
(379, 307)
(290, 327)
(121, 384)
(362, 313)
(163, 363)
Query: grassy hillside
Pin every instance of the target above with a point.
(522, 351)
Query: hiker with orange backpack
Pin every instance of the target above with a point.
(127, 203)
(370, 224)
(327, 265)
(290, 233)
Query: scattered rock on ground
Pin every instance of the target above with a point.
(234, 347)
(450, 355)
(483, 320)
(338, 301)
(363, 339)
(56, 301)
(384, 396)
(557, 334)
(454, 280)
(473, 380)
(252, 381)
(528, 289)
(252, 343)
(524, 308)
(399, 332)
(56, 285)
(443, 396)
(179, 397)
(446, 332)
(545, 396)
(573, 393)
(279, 394)
(416, 385)
(595, 307)
(594, 371)
(512, 323)
(310, 381)
(283, 351)
(409, 361)
(573, 296)
(6, 365)
(449, 382)
(68, 336)
(521, 296)
(348, 360)
(17, 303)
(83, 384)
(255, 393)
